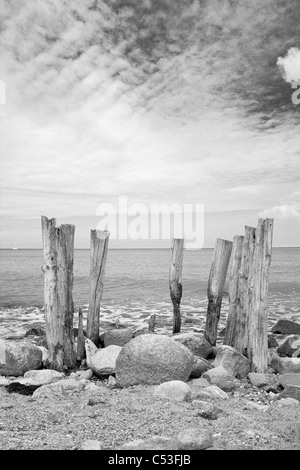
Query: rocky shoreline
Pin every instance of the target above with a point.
(144, 391)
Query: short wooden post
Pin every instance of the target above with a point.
(258, 283)
(240, 341)
(233, 286)
(80, 338)
(58, 244)
(215, 288)
(152, 321)
(175, 281)
(98, 255)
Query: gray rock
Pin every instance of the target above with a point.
(194, 439)
(290, 346)
(284, 365)
(90, 350)
(118, 337)
(288, 379)
(61, 387)
(200, 366)
(250, 405)
(234, 362)
(19, 357)
(220, 377)
(290, 391)
(288, 402)
(262, 380)
(195, 342)
(4, 381)
(43, 377)
(153, 359)
(111, 382)
(103, 363)
(92, 445)
(173, 390)
(286, 327)
(206, 407)
(85, 374)
(199, 383)
(153, 443)
(208, 392)
(92, 387)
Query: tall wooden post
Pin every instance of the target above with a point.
(240, 339)
(80, 338)
(175, 281)
(98, 255)
(215, 288)
(58, 244)
(258, 283)
(233, 288)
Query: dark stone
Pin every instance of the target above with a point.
(290, 346)
(272, 342)
(290, 391)
(207, 415)
(38, 331)
(16, 387)
(286, 327)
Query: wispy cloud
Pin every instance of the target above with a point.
(161, 101)
(283, 211)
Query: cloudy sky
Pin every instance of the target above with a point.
(162, 101)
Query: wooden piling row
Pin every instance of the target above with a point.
(247, 260)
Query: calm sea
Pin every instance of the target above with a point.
(137, 276)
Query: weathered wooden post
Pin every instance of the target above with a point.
(98, 255)
(215, 288)
(152, 321)
(239, 340)
(58, 244)
(175, 281)
(80, 338)
(258, 283)
(233, 289)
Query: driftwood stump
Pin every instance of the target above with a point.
(233, 289)
(175, 281)
(215, 288)
(258, 283)
(58, 245)
(98, 255)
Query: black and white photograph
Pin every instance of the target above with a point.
(149, 228)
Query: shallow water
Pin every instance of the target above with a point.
(136, 285)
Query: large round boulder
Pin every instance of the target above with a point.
(16, 358)
(153, 359)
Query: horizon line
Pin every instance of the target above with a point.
(140, 248)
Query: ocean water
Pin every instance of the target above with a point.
(136, 285)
